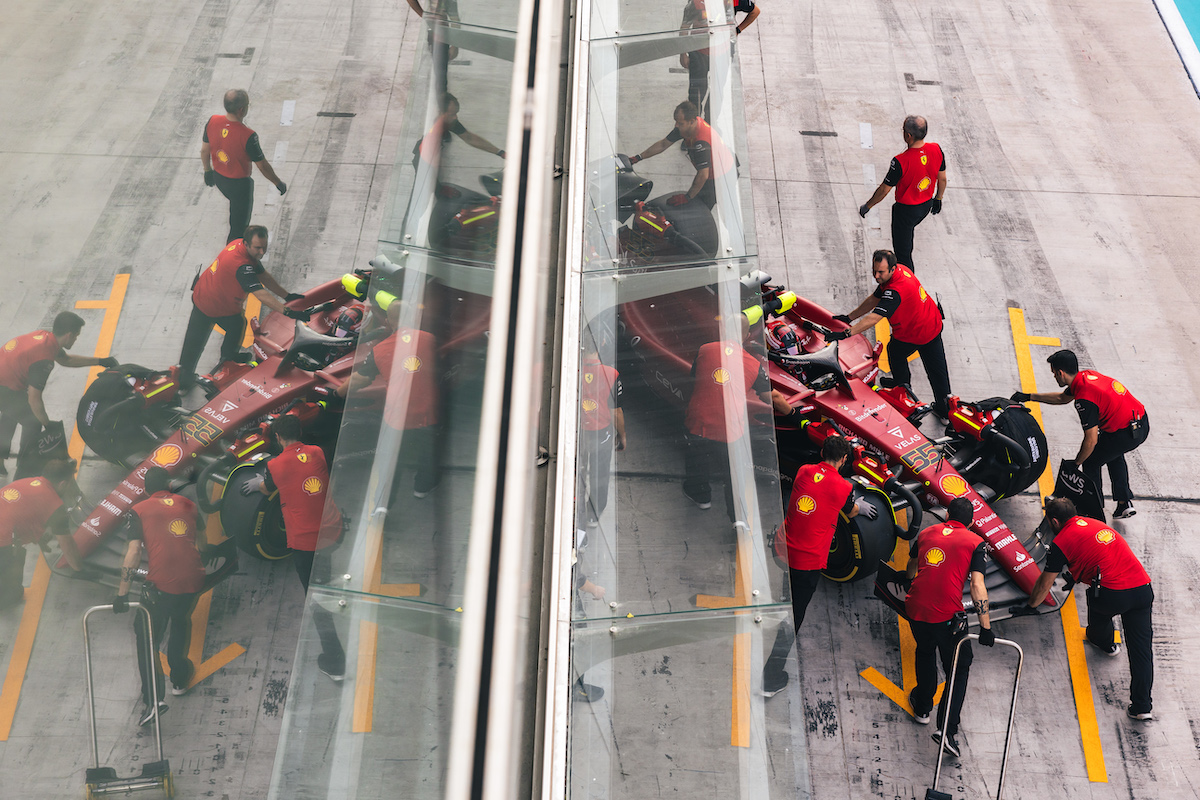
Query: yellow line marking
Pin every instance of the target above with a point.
(1085, 704)
(18, 661)
(368, 634)
(739, 728)
(883, 333)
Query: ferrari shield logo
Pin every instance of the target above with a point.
(406, 338)
(225, 134)
(587, 377)
(302, 458)
(924, 161)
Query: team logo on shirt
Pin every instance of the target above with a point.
(1106, 536)
(924, 294)
(35, 482)
(166, 501)
(11, 495)
(311, 485)
(954, 486)
(1081, 523)
(924, 182)
(224, 159)
(925, 162)
(728, 350)
(167, 456)
(11, 345)
(935, 556)
(806, 505)
(37, 337)
(587, 377)
(178, 527)
(411, 364)
(818, 477)
(1118, 387)
(406, 338)
(224, 133)
(720, 376)
(589, 406)
(302, 458)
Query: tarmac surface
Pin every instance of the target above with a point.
(1072, 135)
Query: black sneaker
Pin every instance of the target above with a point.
(775, 685)
(335, 670)
(148, 714)
(586, 692)
(1112, 651)
(951, 744)
(1124, 511)
(1143, 715)
(703, 505)
(918, 717)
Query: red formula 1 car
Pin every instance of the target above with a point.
(990, 450)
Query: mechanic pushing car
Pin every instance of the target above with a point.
(704, 147)
(916, 320)
(219, 298)
(31, 508)
(1114, 423)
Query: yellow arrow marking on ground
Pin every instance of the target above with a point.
(739, 732)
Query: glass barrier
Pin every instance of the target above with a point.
(689, 19)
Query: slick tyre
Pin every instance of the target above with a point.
(859, 544)
(254, 521)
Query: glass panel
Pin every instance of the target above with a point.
(692, 19)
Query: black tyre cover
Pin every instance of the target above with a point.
(1019, 425)
(116, 436)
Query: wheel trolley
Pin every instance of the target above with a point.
(932, 793)
(102, 781)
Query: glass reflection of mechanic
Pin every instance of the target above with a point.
(429, 148)
(704, 147)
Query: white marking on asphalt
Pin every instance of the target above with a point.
(869, 175)
(864, 135)
(280, 154)
(289, 111)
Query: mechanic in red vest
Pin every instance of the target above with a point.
(164, 524)
(939, 561)
(311, 520)
(820, 495)
(708, 154)
(601, 428)
(25, 365)
(1100, 558)
(716, 414)
(1114, 423)
(219, 298)
(916, 322)
(228, 149)
(31, 509)
(919, 175)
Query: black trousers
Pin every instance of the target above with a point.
(1111, 449)
(14, 411)
(1134, 606)
(421, 449)
(199, 327)
(12, 575)
(172, 611)
(905, 220)
(596, 470)
(698, 64)
(706, 460)
(331, 645)
(240, 194)
(804, 583)
(934, 639)
(933, 356)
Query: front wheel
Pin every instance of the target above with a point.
(859, 544)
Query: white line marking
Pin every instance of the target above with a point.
(281, 154)
(864, 135)
(289, 111)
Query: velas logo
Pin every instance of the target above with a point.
(411, 364)
(935, 556)
(178, 527)
(1118, 387)
(167, 456)
(954, 485)
(1106, 536)
(720, 376)
(311, 485)
(302, 458)
(588, 377)
(11, 495)
(806, 505)
(589, 406)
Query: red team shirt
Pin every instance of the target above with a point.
(406, 361)
(25, 508)
(302, 477)
(217, 292)
(169, 534)
(819, 495)
(1118, 407)
(916, 319)
(227, 141)
(919, 171)
(714, 372)
(944, 555)
(21, 353)
(1092, 548)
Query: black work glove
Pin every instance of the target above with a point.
(1022, 610)
(633, 159)
(501, 153)
(678, 199)
(210, 177)
(1020, 397)
(937, 209)
(836, 336)
(302, 315)
(292, 297)
(843, 318)
(120, 604)
(282, 187)
(109, 362)
(1071, 466)
(987, 638)
(863, 209)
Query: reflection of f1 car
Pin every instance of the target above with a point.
(990, 450)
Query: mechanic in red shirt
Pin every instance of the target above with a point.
(919, 175)
(708, 154)
(601, 428)
(311, 520)
(165, 525)
(716, 414)
(228, 149)
(25, 365)
(219, 298)
(939, 561)
(1114, 423)
(1100, 558)
(820, 496)
(31, 509)
(916, 321)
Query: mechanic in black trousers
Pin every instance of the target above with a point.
(1101, 559)
(939, 561)
(164, 524)
(919, 175)
(1114, 423)
(695, 17)
(219, 298)
(916, 321)
(228, 149)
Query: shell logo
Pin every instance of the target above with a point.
(806, 505)
(1118, 387)
(311, 485)
(720, 376)
(166, 501)
(935, 556)
(924, 182)
(1106, 536)
(588, 377)
(11, 345)
(167, 456)
(406, 338)
(178, 527)
(11, 495)
(222, 157)
(589, 406)
(302, 458)
(954, 485)
(411, 364)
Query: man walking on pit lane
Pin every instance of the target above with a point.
(819, 496)
(919, 175)
(1114, 423)
(940, 559)
(228, 149)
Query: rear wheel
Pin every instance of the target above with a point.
(254, 520)
(859, 544)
